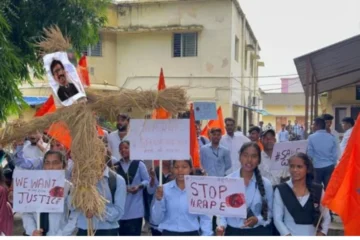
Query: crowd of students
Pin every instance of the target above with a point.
(278, 203)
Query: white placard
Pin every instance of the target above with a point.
(71, 74)
(284, 150)
(39, 190)
(216, 196)
(167, 139)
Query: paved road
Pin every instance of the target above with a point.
(336, 228)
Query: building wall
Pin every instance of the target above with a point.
(103, 69)
(139, 56)
(344, 100)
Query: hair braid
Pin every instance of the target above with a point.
(313, 200)
(264, 203)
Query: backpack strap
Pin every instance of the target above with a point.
(112, 184)
(129, 177)
(318, 188)
(202, 139)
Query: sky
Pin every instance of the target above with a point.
(287, 29)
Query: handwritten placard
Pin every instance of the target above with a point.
(205, 110)
(39, 190)
(216, 196)
(167, 139)
(284, 150)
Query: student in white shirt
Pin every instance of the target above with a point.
(347, 124)
(233, 142)
(328, 121)
(52, 224)
(258, 198)
(115, 138)
(297, 203)
(275, 176)
(283, 134)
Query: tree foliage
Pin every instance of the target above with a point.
(21, 25)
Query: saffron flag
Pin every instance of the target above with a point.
(83, 71)
(161, 113)
(194, 144)
(218, 123)
(342, 194)
(47, 107)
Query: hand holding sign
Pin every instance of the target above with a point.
(216, 196)
(159, 193)
(284, 150)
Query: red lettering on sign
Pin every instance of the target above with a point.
(21, 182)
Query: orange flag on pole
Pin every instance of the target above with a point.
(342, 194)
(219, 123)
(161, 113)
(83, 71)
(47, 107)
(194, 144)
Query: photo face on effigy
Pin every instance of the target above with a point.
(63, 79)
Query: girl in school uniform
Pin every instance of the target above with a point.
(170, 210)
(137, 179)
(52, 224)
(258, 196)
(6, 213)
(297, 203)
(154, 182)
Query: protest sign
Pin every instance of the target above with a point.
(216, 196)
(165, 139)
(283, 151)
(205, 111)
(39, 190)
(63, 79)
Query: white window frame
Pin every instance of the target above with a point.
(89, 49)
(181, 45)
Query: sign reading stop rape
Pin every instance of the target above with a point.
(216, 196)
(39, 190)
(167, 139)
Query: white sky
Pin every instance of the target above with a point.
(287, 29)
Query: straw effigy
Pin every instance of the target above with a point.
(87, 150)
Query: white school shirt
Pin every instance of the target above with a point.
(113, 145)
(234, 144)
(285, 223)
(33, 152)
(60, 224)
(345, 140)
(273, 175)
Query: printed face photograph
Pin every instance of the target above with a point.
(63, 78)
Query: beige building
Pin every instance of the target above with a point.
(206, 46)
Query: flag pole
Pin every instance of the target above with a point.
(319, 221)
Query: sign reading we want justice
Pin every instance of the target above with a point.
(39, 190)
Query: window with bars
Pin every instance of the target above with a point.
(95, 50)
(185, 44)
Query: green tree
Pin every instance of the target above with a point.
(21, 26)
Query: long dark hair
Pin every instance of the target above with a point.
(310, 176)
(2, 177)
(259, 180)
